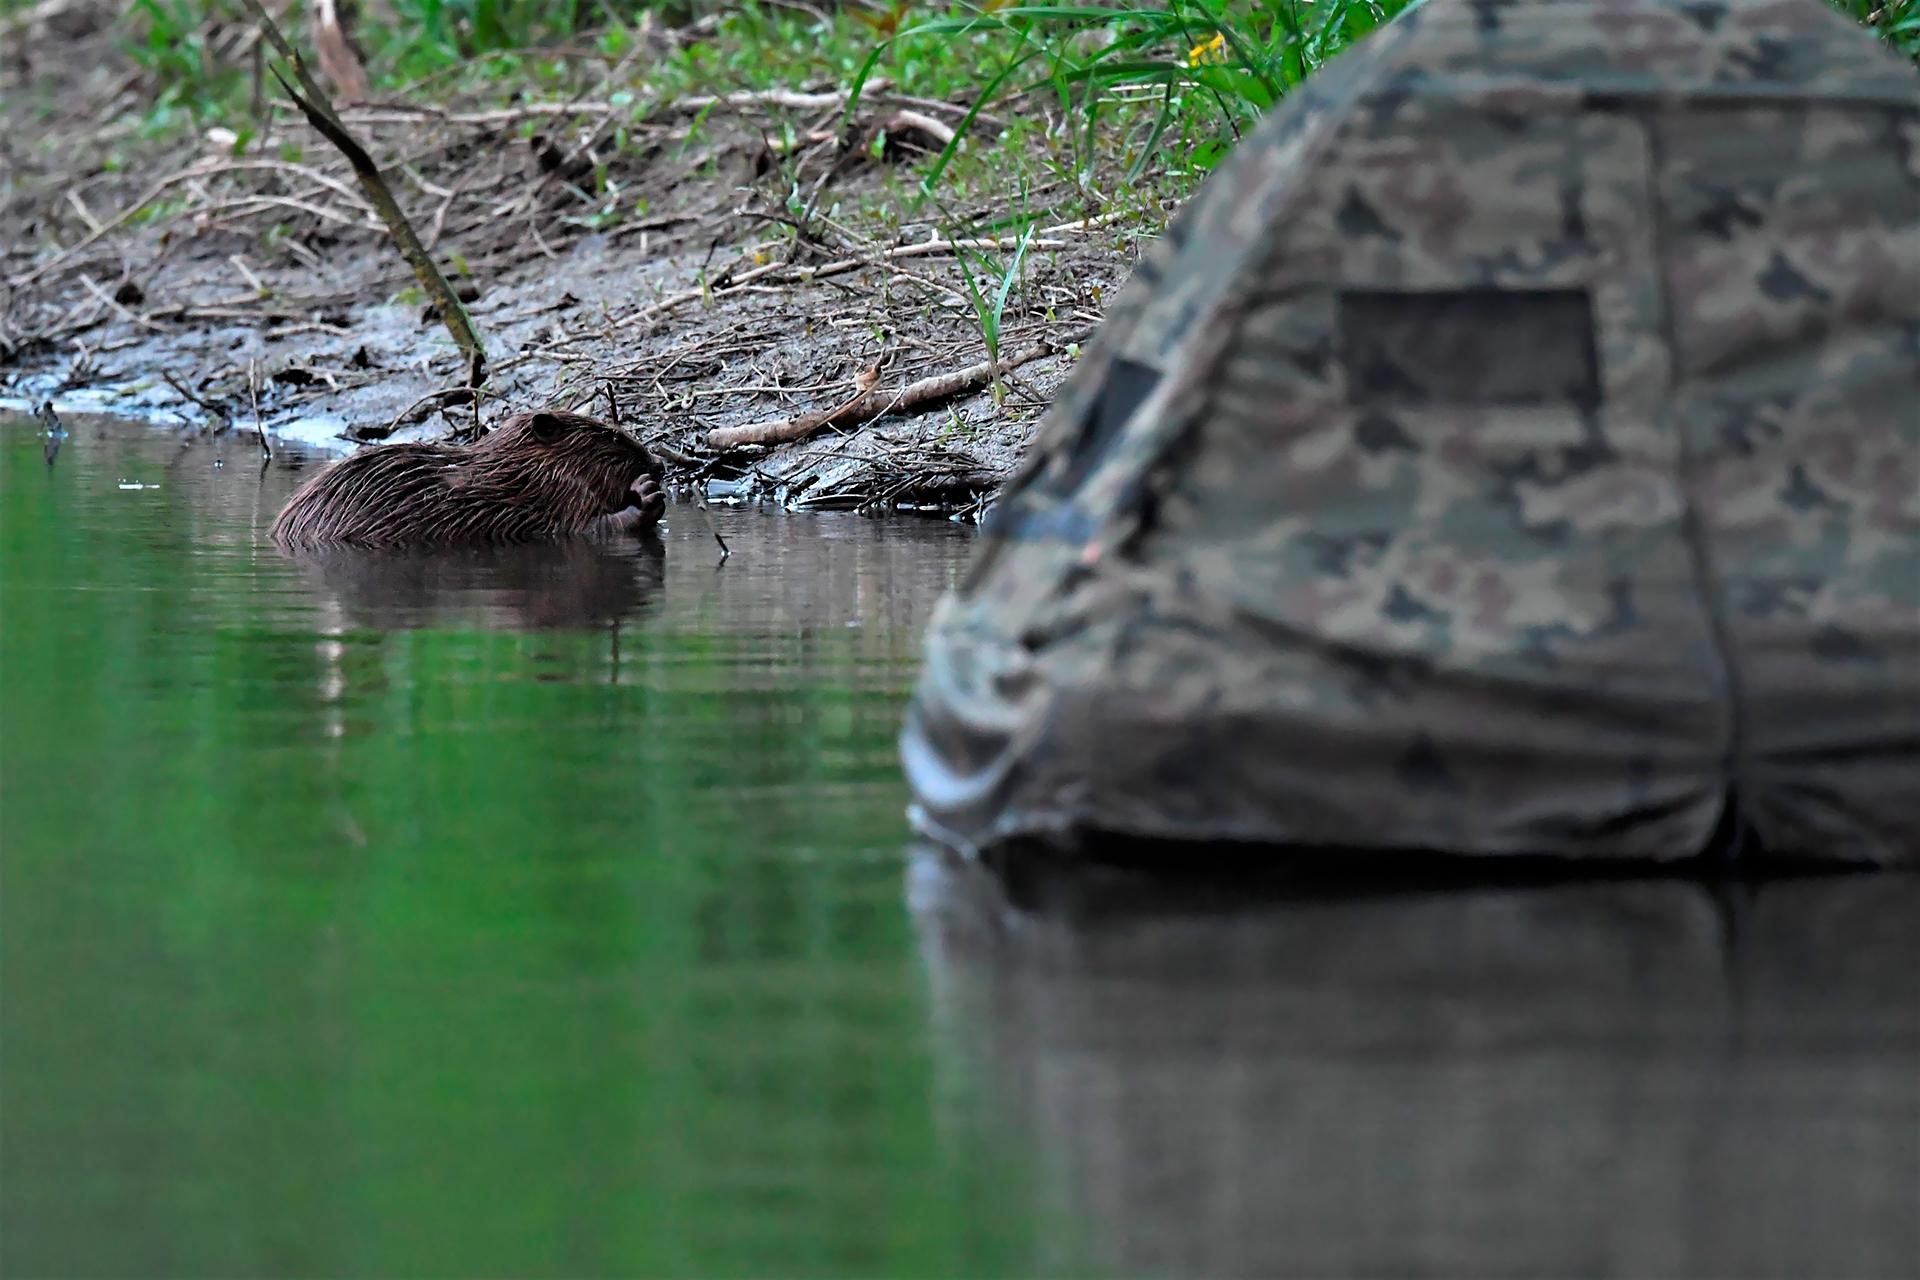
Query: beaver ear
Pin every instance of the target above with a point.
(546, 428)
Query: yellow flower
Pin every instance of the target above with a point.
(1214, 50)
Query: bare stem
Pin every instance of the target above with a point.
(318, 109)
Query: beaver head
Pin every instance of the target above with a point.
(544, 474)
(564, 462)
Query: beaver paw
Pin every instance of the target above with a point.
(646, 503)
(649, 499)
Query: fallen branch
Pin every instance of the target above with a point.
(403, 113)
(446, 396)
(783, 98)
(871, 401)
(905, 122)
(1045, 238)
(788, 99)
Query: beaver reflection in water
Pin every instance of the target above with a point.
(564, 584)
(536, 475)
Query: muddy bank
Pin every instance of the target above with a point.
(563, 331)
(750, 263)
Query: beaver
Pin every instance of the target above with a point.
(537, 475)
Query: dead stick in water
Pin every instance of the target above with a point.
(318, 110)
(870, 402)
(259, 423)
(690, 462)
(706, 518)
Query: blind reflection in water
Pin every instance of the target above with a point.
(1628, 1078)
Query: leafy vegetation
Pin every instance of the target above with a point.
(1178, 80)
(977, 272)
(1220, 60)
(1896, 21)
(1126, 89)
(175, 43)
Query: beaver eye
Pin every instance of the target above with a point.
(546, 428)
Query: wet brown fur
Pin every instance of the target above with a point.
(536, 475)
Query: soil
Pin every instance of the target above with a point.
(185, 283)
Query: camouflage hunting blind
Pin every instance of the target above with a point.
(1513, 449)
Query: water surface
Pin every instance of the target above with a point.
(538, 913)
(552, 913)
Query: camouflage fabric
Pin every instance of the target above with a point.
(1513, 449)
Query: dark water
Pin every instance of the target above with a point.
(554, 914)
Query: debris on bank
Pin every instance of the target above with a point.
(726, 288)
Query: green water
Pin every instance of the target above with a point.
(512, 917)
